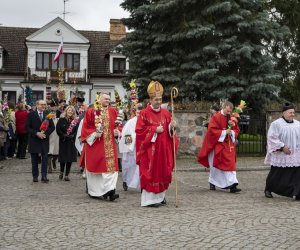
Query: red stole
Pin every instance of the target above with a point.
(102, 156)
(224, 152)
(155, 159)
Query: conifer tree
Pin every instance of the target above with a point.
(288, 13)
(210, 49)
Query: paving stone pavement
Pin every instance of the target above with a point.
(60, 215)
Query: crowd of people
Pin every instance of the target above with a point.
(143, 144)
(102, 137)
(13, 135)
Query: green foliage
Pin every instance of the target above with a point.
(287, 51)
(208, 49)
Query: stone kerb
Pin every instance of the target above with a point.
(190, 130)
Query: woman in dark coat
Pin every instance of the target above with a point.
(22, 136)
(66, 129)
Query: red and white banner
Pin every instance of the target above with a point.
(59, 51)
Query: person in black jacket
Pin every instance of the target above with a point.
(38, 140)
(66, 129)
(61, 108)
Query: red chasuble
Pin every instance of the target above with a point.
(224, 152)
(82, 157)
(155, 159)
(102, 156)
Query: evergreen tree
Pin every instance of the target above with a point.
(210, 49)
(288, 13)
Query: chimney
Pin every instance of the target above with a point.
(117, 30)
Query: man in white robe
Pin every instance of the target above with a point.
(283, 154)
(127, 147)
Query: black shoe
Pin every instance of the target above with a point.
(67, 178)
(268, 194)
(297, 198)
(112, 195)
(164, 202)
(235, 190)
(61, 175)
(154, 205)
(125, 187)
(45, 180)
(212, 187)
(35, 179)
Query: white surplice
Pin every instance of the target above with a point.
(100, 183)
(282, 133)
(149, 198)
(130, 171)
(217, 177)
(78, 143)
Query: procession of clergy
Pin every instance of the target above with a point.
(147, 143)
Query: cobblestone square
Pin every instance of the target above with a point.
(60, 215)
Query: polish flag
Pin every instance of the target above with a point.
(59, 51)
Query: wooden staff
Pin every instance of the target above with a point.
(174, 94)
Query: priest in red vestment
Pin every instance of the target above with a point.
(100, 156)
(218, 151)
(154, 148)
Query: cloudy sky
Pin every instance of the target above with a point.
(82, 14)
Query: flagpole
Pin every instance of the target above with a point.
(174, 94)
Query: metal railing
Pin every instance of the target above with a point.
(252, 139)
(52, 75)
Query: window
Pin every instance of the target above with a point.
(42, 60)
(69, 61)
(37, 95)
(119, 65)
(11, 96)
(72, 62)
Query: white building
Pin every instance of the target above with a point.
(91, 60)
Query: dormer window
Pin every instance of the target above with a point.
(119, 65)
